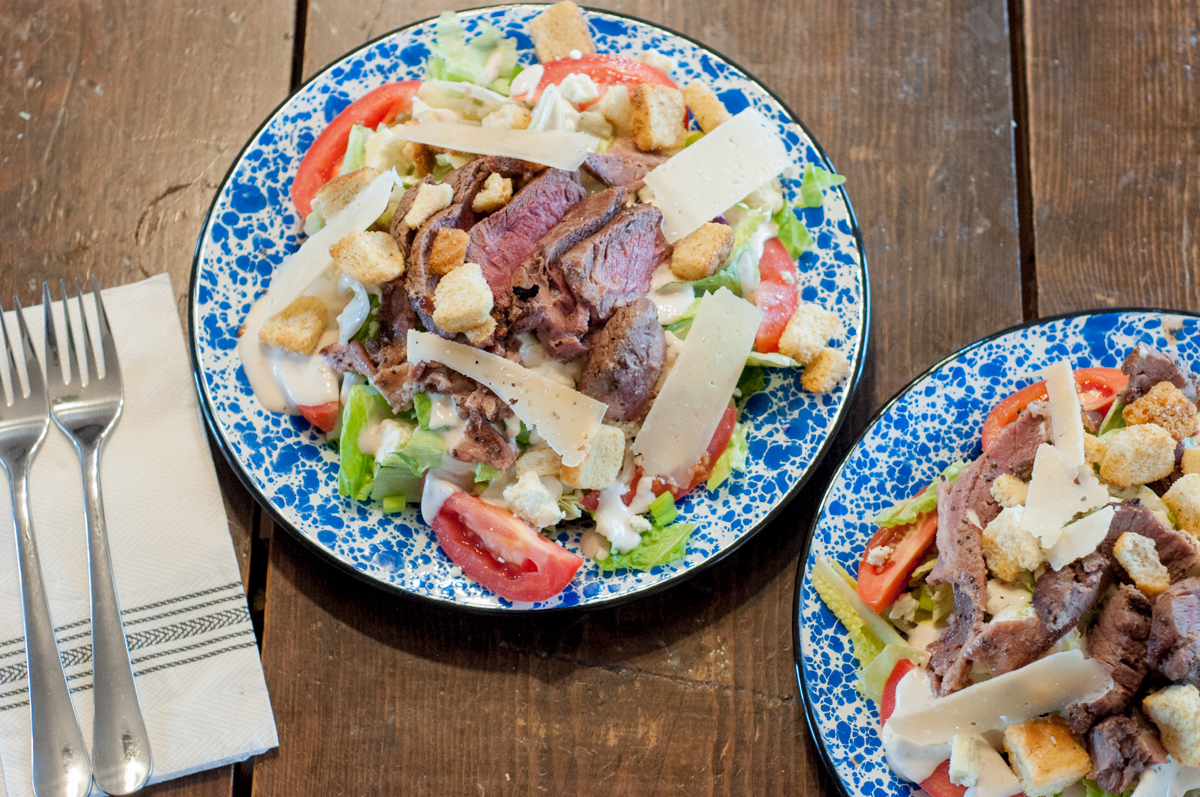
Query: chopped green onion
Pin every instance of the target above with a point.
(662, 509)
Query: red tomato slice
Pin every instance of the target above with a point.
(938, 784)
(322, 416)
(497, 549)
(326, 152)
(1096, 387)
(604, 70)
(777, 294)
(887, 703)
(880, 586)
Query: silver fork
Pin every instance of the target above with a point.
(60, 759)
(87, 413)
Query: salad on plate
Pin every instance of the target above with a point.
(1029, 622)
(530, 294)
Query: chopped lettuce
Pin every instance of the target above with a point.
(522, 437)
(874, 676)
(394, 479)
(1093, 789)
(1115, 419)
(792, 233)
(922, 570)
(489, 59)
(423, 407)
(357, 470)
(815, 182)
(744, 230)
(770, 360)
(692, 137)
(751, 381)
(662, 509)
(446, 163)
(486, 473)
(908, 510)
(659, 546)
(422, 452)
(869, 633)
(568, 502)
(939, 601)
(725, 278)
(680, 326)
(356, 150)
(731, 459)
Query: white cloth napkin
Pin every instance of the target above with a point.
(194, 656)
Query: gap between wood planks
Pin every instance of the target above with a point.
(1026, 234)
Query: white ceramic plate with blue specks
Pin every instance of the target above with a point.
(284, 463)
(935, 420)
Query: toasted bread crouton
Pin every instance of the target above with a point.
(1009, 549)
(1094, 449)
(449, 248)
(508, 117)
(1138, 455)
(614, 104)
(1176, 712)
(659, 120)
(341, 190)
(807, 332)
(541, 459)
(1045, 755)
(479, 335)
(965, 761)
(1009, 491)
(702, 252)
(430, 199)
(372, 258)
(1183, 499)
(603, 463)
(297, 327)
(1139, 557)
(1191, 461)
(496, 193)
(462, 299)
(558, 30)
(825, 371)
(424, 160)
(702, 101)
(1166, 406)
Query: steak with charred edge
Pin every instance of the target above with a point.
(1176, 551)
(623, 164)
(1147, 367)
(1174, 646)
(1121, 750)
(613, 267)
(626, 359)
(482, 443)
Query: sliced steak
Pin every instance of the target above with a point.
(623, 164)
(506, 239)
(613, 267)
(1121, 750)
(401, 232)
(482, 443)
(1009, 644)
(1118, 642)
(1174, 646)
(1062, 597)
(349, 358)
(625, 362)
(419, 281)
(1147, 367)
(1175, 550)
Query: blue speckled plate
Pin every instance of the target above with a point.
(252, 225)
(930, 423)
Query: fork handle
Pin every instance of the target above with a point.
(120, 746)
(60, 759)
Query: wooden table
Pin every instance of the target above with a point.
(1006, 162)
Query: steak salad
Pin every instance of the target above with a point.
(1030, 621)
(534, 293)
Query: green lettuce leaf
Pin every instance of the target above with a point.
(908, 510)
(874, 676)
(422, 452)
(568, 502)
(680, 326)
(486, 473)
(751, 381)
(522, 437)
(770, 360)
(725, 278)
(662, 509)
(423, 407)
(357, 470)
(659, 546)
(731, 459)
(454, 59)
(792, 233)
(869, 633)
(356, 150)
(816, 181)
(1113, 420)
(395, 480)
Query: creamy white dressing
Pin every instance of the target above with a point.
(593, 545)
(442, 413)
(674, 347)
(672, 302)
(283, 381)
(434, 494)
(995, 778)
(911, 760)
(923, 635)
(534, 357)
(1002, 597)
(765, 232)
(613, 518)
(526, 81)
(354, 314)
(370, 436)
(1171, 779)
(747, 274)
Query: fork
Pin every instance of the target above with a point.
(87, 414)
(60, 759)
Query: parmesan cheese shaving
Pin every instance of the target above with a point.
(1080, 538)
(565, 418)
(554, 148)
(1066, 419)
(1056, 494)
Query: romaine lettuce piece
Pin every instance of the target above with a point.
(751, 381)
(662, 509)
(356, 149)
(487, 59)
(792, 233)
(815, 182)
(908, 510)
(357, 470)
(771, 360)
(486, 473)
(731, 459)
(1113, 420)
(874, 676)
(659, 546)
(869, 633)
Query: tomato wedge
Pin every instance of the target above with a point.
(604, 70)
(326, 152)
(322, 416)
(938, 784)
(880, 586)
(498, 550)
(887, 703)
(777, 294)
(1097, 387)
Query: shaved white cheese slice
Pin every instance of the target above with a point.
(1046, 685)
(1066, 420)
(1080, 538)
(1056, 494)
(716, 172)
(694, 396)
(1171, 779)
(298, 270)
(555, 148)
(565, 418)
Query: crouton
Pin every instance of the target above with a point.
(1139, 557)
(1183, 499)
(558, 30)
(603, 463)
(1166, 406)
(1191, 461)
(478, 335)
(1009, 491)
(540, 459)
(1009, 549)
(341, 190)
(658, 118)
(702, 252)
(965, 761)
(1045, 755)
(372, 258)
(1176, 712)
(807, 332)
(430, 199)
(1094, 449)
(1138, 455)
(423, 159)
(615, 106)
(703, 103)
(825, 371)
(508, 117)
(297, 327)
(448, 250)
(462, 299)
(496, 193)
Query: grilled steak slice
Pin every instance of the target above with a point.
(1175, 550)
(1118, 642)
(419, 281)
(401, 232)
(626, 360)
(1121, 750)
(1009, 644)
(1174, 646)
(349, 358)
(1147, 367)
(482, 443)
(613, 267)
(623, 164)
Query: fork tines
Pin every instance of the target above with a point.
(34, 387)
(108, 349)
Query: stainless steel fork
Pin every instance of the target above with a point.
(87, 413)
(60, 759)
